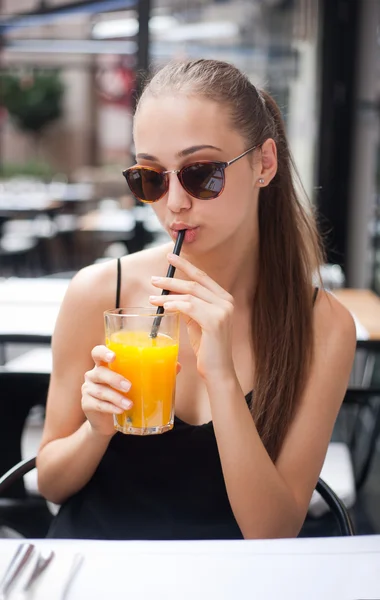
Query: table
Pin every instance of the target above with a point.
(71, 192)
(118, 221)
(29, 308)
(298, 569)
(40, 195)
(365, 306)
(33, 290)
(23, 323)
(27, 209)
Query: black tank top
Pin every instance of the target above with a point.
(159, 487)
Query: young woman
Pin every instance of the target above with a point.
(265, 357)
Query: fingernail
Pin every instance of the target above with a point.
(125, 385)
(155, 279)
(110, 356)
(126, 404)
(152, 297)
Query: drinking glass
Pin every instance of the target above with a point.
(146, 356)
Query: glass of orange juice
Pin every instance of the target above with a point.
(148, 362)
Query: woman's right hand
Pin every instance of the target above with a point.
(102, 393)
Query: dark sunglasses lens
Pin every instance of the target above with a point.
(203, 180)
(147, 185)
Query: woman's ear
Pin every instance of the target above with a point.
(267, 167)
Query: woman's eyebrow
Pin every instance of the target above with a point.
(147, 157)
(193, 149)
(182, 153)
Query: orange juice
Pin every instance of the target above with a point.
(150, 365)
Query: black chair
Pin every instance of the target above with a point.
(336, 507)
(358, 428)
(18, 256)
(16, 472)
(20, 510)
(358, 424)
(28, 516)
(19, 392)
(335, 504)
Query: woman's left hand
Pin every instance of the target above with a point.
(207, 309)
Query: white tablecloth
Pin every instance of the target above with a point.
(308, 569)
(32, 319)
(20, 290)
(30, 306)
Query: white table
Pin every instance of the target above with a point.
(29, 307)
(307, 569)
(23, 321)
(121, 220)
(29, 290)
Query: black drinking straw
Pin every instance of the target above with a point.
(170, 273)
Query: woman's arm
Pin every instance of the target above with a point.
(268, 500)
(271, 500)
(73, 445)
(66, 464)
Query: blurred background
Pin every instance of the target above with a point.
(68, 82)
(69, 74)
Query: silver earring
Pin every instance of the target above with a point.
(261, 180)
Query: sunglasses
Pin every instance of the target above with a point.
(203, 180)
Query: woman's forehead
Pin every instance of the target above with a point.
(182, 119)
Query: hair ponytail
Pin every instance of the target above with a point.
(282, 317)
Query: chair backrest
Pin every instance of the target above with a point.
(19, 392)
(17, 471)
(359, 419)
(358, 423)
(29, 516)
(336, 505)
(337, 508)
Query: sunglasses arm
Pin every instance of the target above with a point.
(231, 162)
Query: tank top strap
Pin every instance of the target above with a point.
(118, 283)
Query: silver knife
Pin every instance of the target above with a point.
(75, 566)
(17, 564)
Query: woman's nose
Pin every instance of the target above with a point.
(178, 199)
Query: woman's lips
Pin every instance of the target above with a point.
(190, 234)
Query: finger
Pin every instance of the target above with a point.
(101, 354)
(197, 309)
(199, 276)
(104, 375)
(162, 300)
(107, 394)
(207, 316)
(90, 405)
(182, 286)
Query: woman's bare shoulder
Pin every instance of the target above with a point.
(333, 322)
(93, 290)
(96, 284)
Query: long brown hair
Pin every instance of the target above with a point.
(289, 247)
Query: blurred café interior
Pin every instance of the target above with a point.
(70, 72)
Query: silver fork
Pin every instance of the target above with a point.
(44, 559)
(15, 567)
